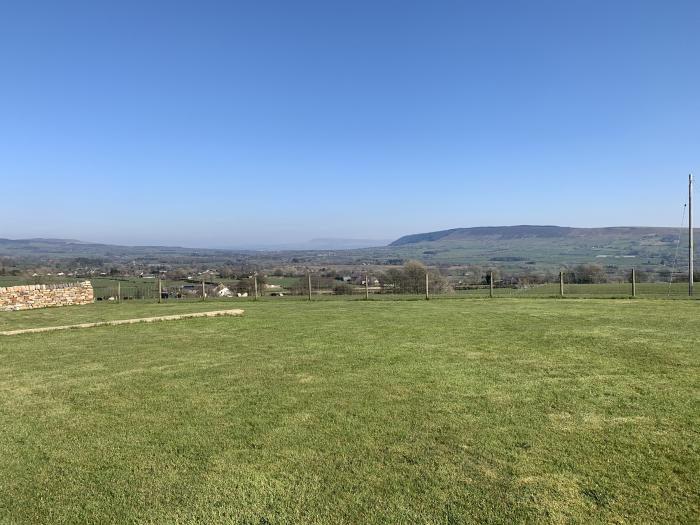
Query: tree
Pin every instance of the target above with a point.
(588, 274)
(496, 276)
(639, 275)
(227, 272)
(474, 274)
(413, 277)
(247, 285)
(392, 278)
(343, 289)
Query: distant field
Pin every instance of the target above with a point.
(12, 280)
(649, 290)
(148, 288)
(346, 411)
(284, 282)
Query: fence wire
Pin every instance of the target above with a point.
(375, 288)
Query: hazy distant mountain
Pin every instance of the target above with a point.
(315, 244)
(40, 240)
(512, 248)
(65, 248)
(527, 231)
(41, 248)
(345, 244)
(523, 247)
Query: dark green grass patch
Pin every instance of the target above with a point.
(356, 412)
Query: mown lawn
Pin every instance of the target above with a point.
(448, 411)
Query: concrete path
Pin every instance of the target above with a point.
(215, 313)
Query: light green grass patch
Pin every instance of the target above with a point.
(500, 411)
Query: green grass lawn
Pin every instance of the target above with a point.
(604, 290)
(346, 411)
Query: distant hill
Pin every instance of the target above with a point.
(343, 244)
(69, 248)
(528, 231)
(525, 247)
(522, 248)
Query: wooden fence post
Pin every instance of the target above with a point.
(491, 284)
(427, 287)
(204, 292)
(309, 277)
(634, 283)
(160, 289)
(119, 292)
(366, 287)
(255, 284)
(561, 284)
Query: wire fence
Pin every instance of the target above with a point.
(130, 290)
(318, 287)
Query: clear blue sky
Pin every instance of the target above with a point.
(232, 123)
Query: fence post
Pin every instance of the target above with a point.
(561, 284)
(366, 287)
(160, 289)
(255, 285)
(309, 278)
(491, 284)
(204, 292)
(119, 292)
(634, 284)
(427, 288)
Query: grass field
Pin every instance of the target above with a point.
(604, 290)
(346, 411)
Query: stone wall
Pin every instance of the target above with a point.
(43, 295)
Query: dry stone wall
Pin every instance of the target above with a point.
(43, 295)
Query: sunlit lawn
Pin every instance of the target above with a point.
(447, 411)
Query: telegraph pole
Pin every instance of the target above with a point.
(690, 234)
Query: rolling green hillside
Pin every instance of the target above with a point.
(522, 246)
(509, 248)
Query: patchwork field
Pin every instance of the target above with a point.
(346, 411)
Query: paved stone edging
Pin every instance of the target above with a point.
(215, 313)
